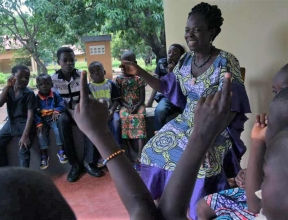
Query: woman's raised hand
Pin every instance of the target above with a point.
(129, 67)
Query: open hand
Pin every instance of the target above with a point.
(240, 178)
(129, 67)
(55, 116)
(134, 109)
(11, 81)
(213, 113)
(259, 128)
(90, 115)
(24, 142)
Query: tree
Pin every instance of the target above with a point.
(135, 22)
(17, 22)
(120, 44)
(41, 26)
(138, 21)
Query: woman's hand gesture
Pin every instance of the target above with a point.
(129, 67)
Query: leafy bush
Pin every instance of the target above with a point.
(3, 78)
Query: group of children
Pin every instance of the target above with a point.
(56, 99)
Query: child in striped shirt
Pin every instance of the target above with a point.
(105, 89)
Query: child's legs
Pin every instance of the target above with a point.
(53, 126)
(141, 142)
(65, 123)
(43, 138)
(161, 113)
(137, 145)
(5, 138)
(204, 211)
(116, 126)
(24, 154)
(91, 154)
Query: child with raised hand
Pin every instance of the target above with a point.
(20, 108)
(106, 90)
(132, 112)
(211, 115)
(233, 202)
(49, 106)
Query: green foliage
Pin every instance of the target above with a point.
(3, 78)
(43, 26)
(119, 45)
(138, 23)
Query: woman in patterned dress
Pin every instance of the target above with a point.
(132, 112)
(199, 72)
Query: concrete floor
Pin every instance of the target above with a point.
(92, 198)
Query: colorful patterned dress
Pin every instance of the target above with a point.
(162, 152)
(133, 125)
(230, 204)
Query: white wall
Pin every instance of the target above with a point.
(255, 31)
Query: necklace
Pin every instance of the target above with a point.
(207, 59)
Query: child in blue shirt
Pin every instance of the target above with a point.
(105, 89)
(20, 102)
(49, 107)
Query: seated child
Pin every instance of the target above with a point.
(66, 81)
(49, 106)
(132, 112)
(165, 108)
(105, 89)
(20, 108)
(233, 203)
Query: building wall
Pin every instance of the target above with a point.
(6, 62)
(5, 66)
(80, 58)
(105, 59)
(255, 31)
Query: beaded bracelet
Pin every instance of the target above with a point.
(112, 156)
